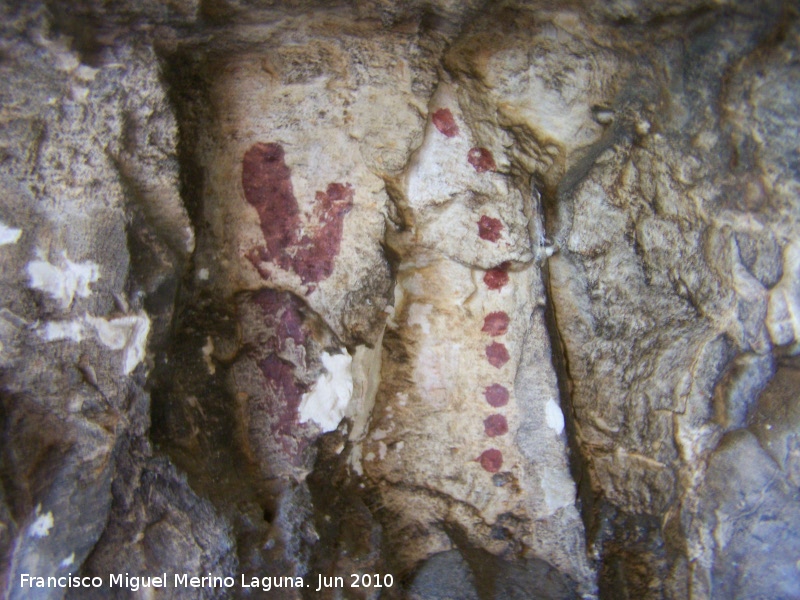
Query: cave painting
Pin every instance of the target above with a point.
(490, 229)
(495, 425)
(497, 277)
(497, 354)
(282, 319)
(491, 460)
(495, 323)
(444, 122)
(496, 395)
(481, 159)
(307, 245)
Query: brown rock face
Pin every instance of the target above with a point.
(475, 300)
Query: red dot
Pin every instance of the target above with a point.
(491, 460)
(444, 122)
(497, 354)
(489, 228)
(495, 323)
(496, 395)
(497, 277)
(495, 425)
(481, 159)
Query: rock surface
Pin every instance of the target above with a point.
(499, 299)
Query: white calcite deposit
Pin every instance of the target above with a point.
(128, 333)
(328, 401)
(64, 280)
(9, 235)
(42, 524)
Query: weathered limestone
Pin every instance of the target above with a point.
(499, 298)
(467, 427)
(89, 171)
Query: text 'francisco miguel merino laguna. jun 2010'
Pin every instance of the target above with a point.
(184, 580)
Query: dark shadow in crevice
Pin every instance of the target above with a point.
(578, 462)
(498, 578)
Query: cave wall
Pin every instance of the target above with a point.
(500, 298)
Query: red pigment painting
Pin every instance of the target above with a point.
(496, 395)
(497, 277)
(491, 460)
(489, 229)
(282, 316)
(444, 122)
(283, 388)
(267, 184)
(497, 355)
(495, 323)
(481, 159)
(495, 425)
(283, 391)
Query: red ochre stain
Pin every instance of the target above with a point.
(282, 318)
(267, 184)
(495, 425)
(283, 392)
(497, 354)
(445, 123)
(283, 315)
(489, 229)
(496, 395)
(497, 277)
(481, 159)
(495, 323)
(491, 460)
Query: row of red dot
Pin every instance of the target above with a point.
(481, 159)
(496, 323)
